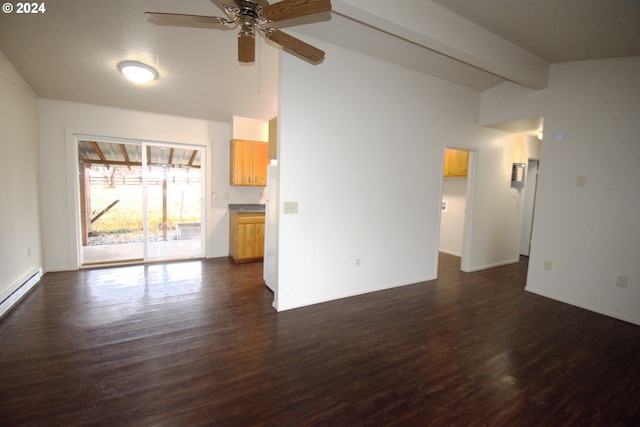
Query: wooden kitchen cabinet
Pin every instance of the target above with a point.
(249, 160)
(456, 163)
(246, 236)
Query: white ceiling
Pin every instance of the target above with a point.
(71, 51)
(559, 30)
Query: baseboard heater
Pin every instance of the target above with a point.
(20, 292)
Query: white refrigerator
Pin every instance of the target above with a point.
(270, 273)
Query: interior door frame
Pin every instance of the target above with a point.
(529, 206)
(465, 262)
(465, 259)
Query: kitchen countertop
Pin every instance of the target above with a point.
(247, 208)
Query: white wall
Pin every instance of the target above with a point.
(250, 129)
(60, 121)
(20, 250)
(361, 149)
(509, 102)
(454, 192)
(590, 234)
(493, 232)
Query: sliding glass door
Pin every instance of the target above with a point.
(173, 203)
(140, 201)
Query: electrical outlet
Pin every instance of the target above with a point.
(357, 261)
(622, 281)
(548, 265)
(290, 207)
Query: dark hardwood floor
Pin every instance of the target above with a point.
(198, 343)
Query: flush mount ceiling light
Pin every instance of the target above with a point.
(137, 72)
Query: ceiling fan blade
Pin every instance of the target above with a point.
(294, 45)
(246, 47)
(181, 20)
(289, 9)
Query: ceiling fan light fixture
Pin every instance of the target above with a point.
(137, 72)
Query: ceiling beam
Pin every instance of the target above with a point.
(130, 164)
(193, 157)
(98, 151)
(123, 151)
(433, 27)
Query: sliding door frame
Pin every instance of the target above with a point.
(73, 183)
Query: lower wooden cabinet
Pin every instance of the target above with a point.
(246, 236)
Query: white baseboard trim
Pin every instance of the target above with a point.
(444, 251)
(354, 293)
(20, 291)
(583, 306)
(492, 265)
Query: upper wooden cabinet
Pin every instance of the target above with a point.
(456, 162)
(249, 160)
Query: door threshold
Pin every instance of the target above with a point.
(111, 263)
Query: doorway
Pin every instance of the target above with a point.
(140, 201)
(456, 191)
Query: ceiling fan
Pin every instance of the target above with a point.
(252, 15)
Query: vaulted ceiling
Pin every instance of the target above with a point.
(71, 51)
